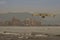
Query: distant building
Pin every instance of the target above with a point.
(1, 22)
(6, 23)
(15, 21)
(31, 22)
(35, 22)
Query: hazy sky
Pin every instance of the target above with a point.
(29, 6)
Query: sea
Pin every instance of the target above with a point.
(54, 30)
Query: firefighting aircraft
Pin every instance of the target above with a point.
(43, 15)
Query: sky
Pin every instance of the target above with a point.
(49, 6)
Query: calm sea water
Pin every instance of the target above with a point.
(49, 29)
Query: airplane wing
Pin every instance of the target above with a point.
(44, 15)
(35, 15)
